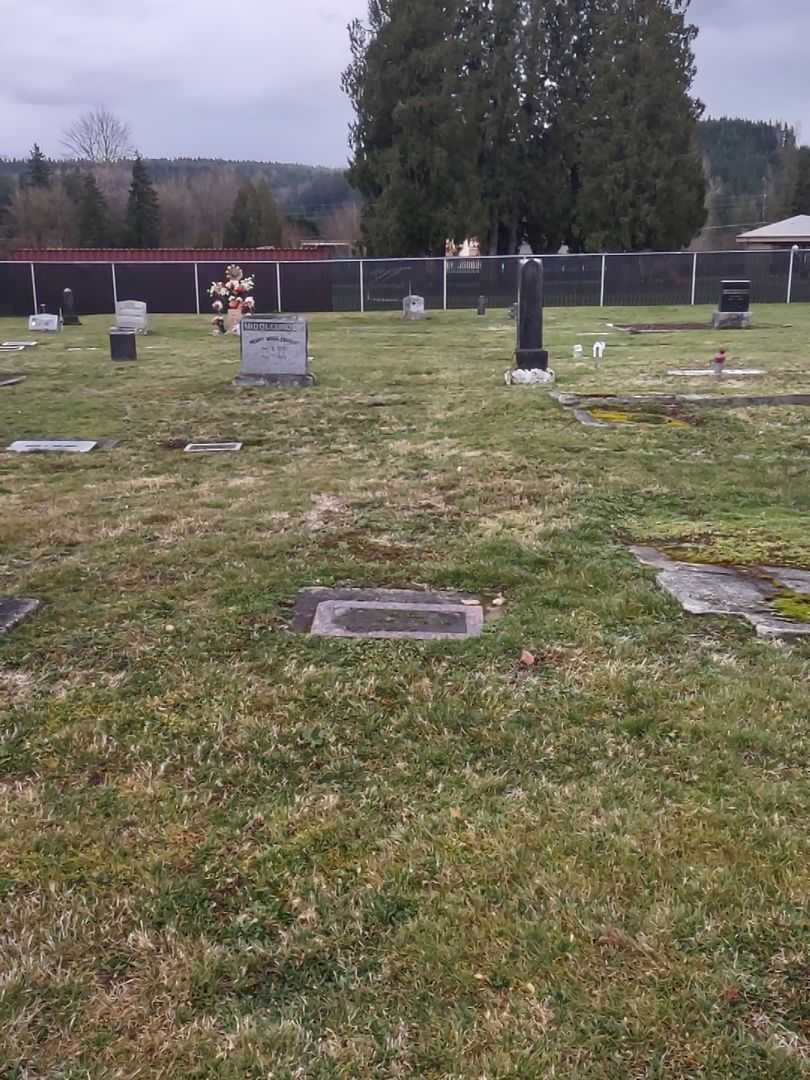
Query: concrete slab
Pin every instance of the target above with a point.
(745, 592)
(13, 610)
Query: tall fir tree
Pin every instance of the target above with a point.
(37, 169)
(642, 184)
(255, 220)
(412, 157)
(801, 196)
(94, 229)
(143, 210)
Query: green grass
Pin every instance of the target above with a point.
(229, 852)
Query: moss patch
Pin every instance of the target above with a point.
(793, 606)
(622, 416)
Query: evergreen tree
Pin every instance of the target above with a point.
(413, 155)
(255, 220)
(93, 217)
(642, 183)
(37, 169)
(801, 198)
(143, 210)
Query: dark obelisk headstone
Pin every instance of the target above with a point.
(530, 353)
(69, 316)
(482, 305)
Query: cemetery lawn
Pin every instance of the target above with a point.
(230, 852)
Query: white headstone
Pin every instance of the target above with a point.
(66, 446)
(132, 315)
(45, 324)
(413, 307)
(274, 350)
(599, 350)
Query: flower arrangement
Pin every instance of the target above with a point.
(232, 296)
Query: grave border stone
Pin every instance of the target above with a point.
(14, 609)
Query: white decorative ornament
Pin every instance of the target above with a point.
(529, 377)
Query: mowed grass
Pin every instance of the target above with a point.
(228, 852)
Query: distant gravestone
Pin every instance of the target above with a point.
(274, 351)
(530, 354)
(44, 323)
(734, 312)
(122, 345)
(132, 315)
(482, 305)
(69, 316)
(413, 308)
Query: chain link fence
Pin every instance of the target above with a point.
(368, 285)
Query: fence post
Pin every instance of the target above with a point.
(694, 278)
(790, 275)
(278, 286)
(362, 290)
(602, 288)
(444, 287)
(197, 288)
(115, 287)
(34, 288)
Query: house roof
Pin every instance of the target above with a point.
(792, 230)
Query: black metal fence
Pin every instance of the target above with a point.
(367, 285)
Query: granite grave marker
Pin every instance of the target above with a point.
(274, 351)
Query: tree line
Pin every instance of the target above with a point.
(557, 121)
(756, 172)
(104, 194)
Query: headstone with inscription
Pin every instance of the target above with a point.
(44, 324)
(132, 315)
(734, 312)
(413, 308)
(274, 351)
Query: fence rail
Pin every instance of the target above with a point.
(367, 285)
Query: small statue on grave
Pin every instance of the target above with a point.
(719, 363)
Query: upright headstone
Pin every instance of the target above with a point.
(69, 316)
(734, 312)
(44, 324)
(529, 353)
(274, 351)
(132, 315)
(122, 345)
(482, 305)
(413, 308)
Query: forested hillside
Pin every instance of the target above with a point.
(756, 173)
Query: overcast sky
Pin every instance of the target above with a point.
(260, 79)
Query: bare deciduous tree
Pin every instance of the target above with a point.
(100, 136)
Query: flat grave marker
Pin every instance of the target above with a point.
(212, 448)
(66, 446)
(396, 614)
(12, 378)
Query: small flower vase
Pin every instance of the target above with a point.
(234, 318)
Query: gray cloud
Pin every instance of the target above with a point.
(263, 80)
